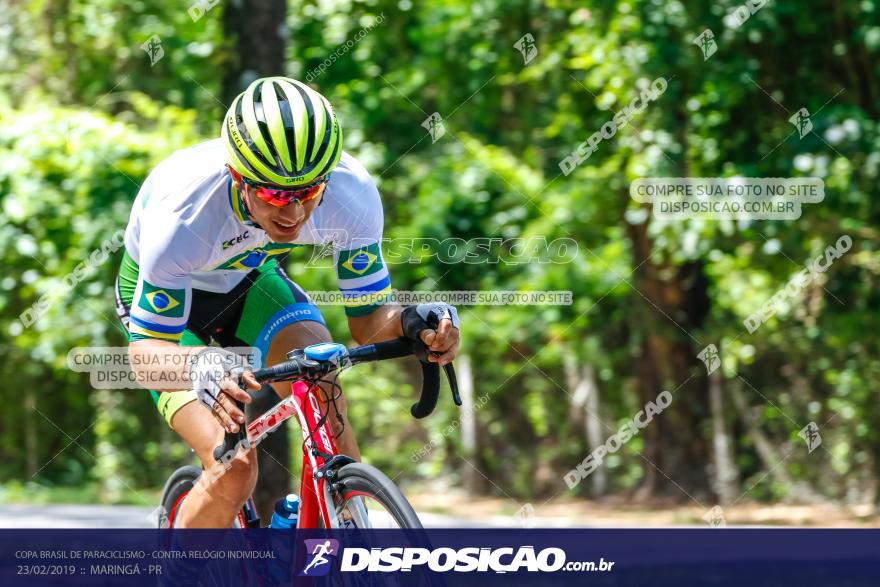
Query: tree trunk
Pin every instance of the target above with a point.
(30, 431)
(672, 303)
(726, 475)
(594, 425)
(585, 397)
(260, 37)
(257, 31)
(773, 462)
(465, 374)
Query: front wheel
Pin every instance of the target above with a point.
(364, 497)
(175, 491)
(179, 486)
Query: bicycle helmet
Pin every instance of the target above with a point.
(281, 132)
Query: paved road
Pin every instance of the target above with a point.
(125, 516)
(74, 516)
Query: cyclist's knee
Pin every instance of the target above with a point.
(243, 471)
(237, 480)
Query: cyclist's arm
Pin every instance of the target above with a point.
(158, 316)
(162, 365)
(383, 323)
(361, 272)
(165, 366)
(160, 310)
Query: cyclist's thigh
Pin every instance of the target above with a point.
(278, 316)
(199, 429)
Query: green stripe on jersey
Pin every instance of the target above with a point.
(128, 278)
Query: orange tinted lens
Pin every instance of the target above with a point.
(284, 197)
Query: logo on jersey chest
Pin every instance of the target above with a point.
(253, 258)
(236, 240)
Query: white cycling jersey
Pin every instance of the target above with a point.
(188, 229)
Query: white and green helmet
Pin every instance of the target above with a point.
(281, 132)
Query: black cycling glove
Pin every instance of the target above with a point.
(417, 318)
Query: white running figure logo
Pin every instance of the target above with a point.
(320, 559)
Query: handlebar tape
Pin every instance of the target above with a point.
(430, 391)
(380, 351)
(281, 370)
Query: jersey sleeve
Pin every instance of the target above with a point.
(163, 296)
(361, 272)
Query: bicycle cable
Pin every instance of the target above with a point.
(335, 393)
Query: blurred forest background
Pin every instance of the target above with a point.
(84, 116)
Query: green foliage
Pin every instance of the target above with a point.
(68, 179)
(76, 143)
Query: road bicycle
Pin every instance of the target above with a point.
(335, 490)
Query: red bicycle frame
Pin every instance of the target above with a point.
(320, 457)
(317, 443)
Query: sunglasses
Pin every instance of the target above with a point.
(281, 197)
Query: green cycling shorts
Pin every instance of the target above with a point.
(251, 314)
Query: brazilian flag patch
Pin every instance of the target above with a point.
(359, 262)
(162, 301)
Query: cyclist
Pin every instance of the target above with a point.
(201, 266)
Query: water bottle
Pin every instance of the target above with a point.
(284, 517)
(286, 512)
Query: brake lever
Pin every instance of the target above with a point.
(434, 323)
(453, 383)
(304, 365)
(431, 376)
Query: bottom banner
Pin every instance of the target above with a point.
(717, 557)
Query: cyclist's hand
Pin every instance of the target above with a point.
(443, 342)
(214, 373)
(225, 411)
(443, 339)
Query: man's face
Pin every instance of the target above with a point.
(282, 224)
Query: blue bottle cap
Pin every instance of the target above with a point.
(287, 507)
